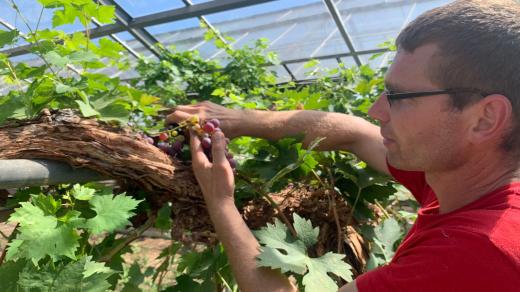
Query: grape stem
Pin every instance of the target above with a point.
(133, 236)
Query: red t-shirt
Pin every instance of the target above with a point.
(474, 248)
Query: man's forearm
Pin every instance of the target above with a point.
(339, 129)
(242, 249)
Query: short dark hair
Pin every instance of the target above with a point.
(479, 45)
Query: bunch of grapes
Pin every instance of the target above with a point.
(172, 140)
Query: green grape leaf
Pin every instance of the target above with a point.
(386, 234)
(53, 3)
(106, 13)
(280, 250)
(86, 109)
(83, 56)
(56, 59)
(41, 235)
(318, 280)
(305, 231)
(185, 283)
(82, 193)
(115, 112)
(11, 107)
(63, 88)
(112, 212)
(47, 204)
(109, 48)
(65, 16)
(164, 220)
(92, 268)
(136, 278)
(8, 37)
(311, 63)
(9, 274)
(83, 275)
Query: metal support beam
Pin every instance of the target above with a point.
(193, 11)
(158, 18)
(16, 173)
(342, 29)
(334, 56)
(293, 78)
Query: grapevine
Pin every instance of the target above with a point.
(86, 126)
(173, 139)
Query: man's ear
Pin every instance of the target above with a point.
(492, 117)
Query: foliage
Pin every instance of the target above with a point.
(66, 233)
(282, 251)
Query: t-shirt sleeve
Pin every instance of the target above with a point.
(414, 181)
(453, 263)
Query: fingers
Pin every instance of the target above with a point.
(198, 157)
(219, 148)
(183, 112)
(178, 116)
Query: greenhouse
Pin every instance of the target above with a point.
(268, 145)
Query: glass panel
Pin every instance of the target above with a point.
(373, 22)
(134, 44)
(138, 8)
(29, 59)
(348, 62)
(281, 74)
(31, 10)
(184, 35)
(295, 29)
(200, 1)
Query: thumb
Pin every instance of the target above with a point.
(219, 148)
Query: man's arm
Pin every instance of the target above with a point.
(342, 132)
(217, 183)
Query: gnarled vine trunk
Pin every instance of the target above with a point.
(128, 158)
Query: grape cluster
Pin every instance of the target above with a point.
(174, 137)
(205, 132)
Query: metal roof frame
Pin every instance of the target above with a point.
(126, 22)
(136, 26)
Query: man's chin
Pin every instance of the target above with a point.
(396, 161)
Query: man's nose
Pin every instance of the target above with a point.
(380, 110)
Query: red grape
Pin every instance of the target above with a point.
(177, 146)
(215, 122)
(163, 136)
(209, 128)
(206, 143)
(232, 163)
(163, 146)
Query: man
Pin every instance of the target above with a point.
(449, 131)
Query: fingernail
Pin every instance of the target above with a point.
(218, 135)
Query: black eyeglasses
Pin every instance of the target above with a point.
(393, 96)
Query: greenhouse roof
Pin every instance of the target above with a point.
(347, 31)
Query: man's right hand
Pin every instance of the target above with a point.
(230, 119)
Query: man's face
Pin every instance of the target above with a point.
(423, 133)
